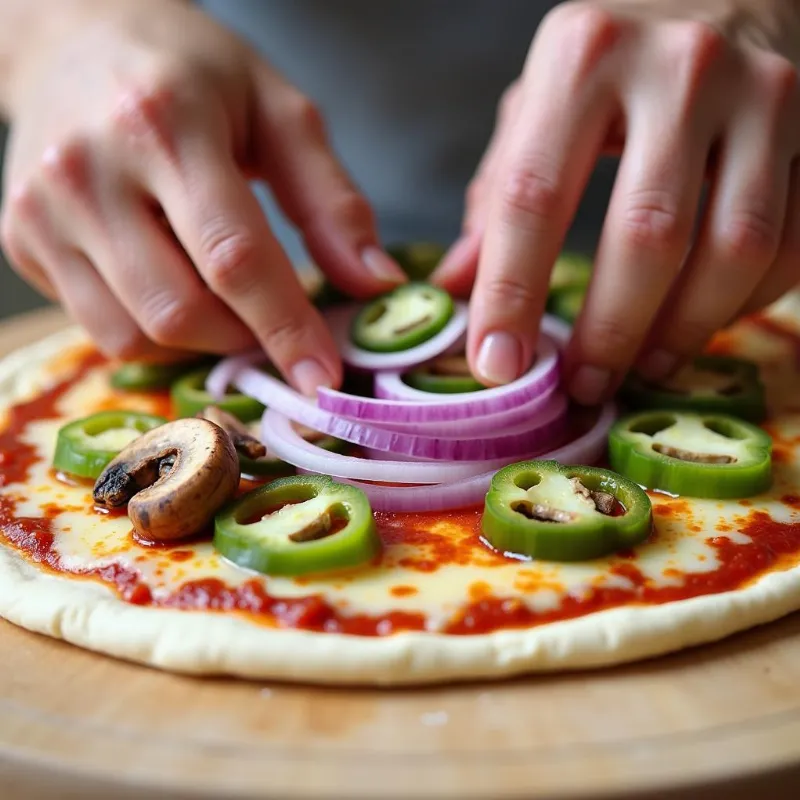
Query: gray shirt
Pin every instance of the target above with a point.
(409, 90)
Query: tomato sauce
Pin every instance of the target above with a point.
(776, 328)
(412, 542)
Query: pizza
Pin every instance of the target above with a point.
(411, 528)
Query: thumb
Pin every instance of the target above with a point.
(292, 153)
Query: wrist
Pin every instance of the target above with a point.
(37, 27)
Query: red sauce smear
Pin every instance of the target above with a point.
(780, 330)
(409, 542)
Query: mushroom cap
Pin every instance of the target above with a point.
(173, 478)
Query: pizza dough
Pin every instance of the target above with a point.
(434, 569)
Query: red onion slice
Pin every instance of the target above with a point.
(586, 449)
(530, 436)
(283, 441)
(223, 372)
(406, 404)
(340, 319)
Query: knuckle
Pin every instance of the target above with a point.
(227, 258)
(651, 221)
(67, 165)
(750, 236)
(608, 341)
(284, 334)
(780, 78)
(513, 296)
(168, 320)
(529, 196)
(22, 205)
(143, 115)
(302, 113)
(586, 32)
(700, 42)
(352, 210)
(691, 333)
(698, 47)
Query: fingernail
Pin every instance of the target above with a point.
(308, 375)
(382, 266)
(499, 358)
(590, 384)
(657, 365)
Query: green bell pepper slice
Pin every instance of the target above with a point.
(402, 318)
(571, 271)
(298, 525)
(189, 398)
(444, 375)
(328, 295)
(567, 303)
(548, 511)
(696, 455)
(86, 446)
(708, 385)
(140, 376)
(417, 259)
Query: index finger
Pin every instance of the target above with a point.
(220, 223)
(557, 136)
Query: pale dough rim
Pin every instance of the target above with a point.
(91, 616)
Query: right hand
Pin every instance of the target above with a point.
(134, 133)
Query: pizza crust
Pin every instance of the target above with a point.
(91, 616)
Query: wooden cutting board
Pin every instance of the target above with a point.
(716, 722)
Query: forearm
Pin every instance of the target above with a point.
(28, 26)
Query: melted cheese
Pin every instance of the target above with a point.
(555, 491)
(690, 434)
(682, 544)
(701, 382)
(113, 438)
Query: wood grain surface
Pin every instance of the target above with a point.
(717, 722)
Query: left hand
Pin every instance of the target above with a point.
(690, 93)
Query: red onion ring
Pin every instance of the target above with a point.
(586, 449)
(283, 441)
(416, 406)
(340, 319)
(527, 437)
(223, 372)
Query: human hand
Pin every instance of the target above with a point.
(134, 133)
(688, 90)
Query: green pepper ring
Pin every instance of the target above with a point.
(417, 259)
(139, 376)
(748, 404)
(189, 398)
(635, 459)
(355, 544)
(74, 453)
(510, 532)
(567, 303)
(362, 332)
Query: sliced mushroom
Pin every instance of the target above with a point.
(173, 479)
(243, 441)
(541, 512)
(689, 455)
(455, 366)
